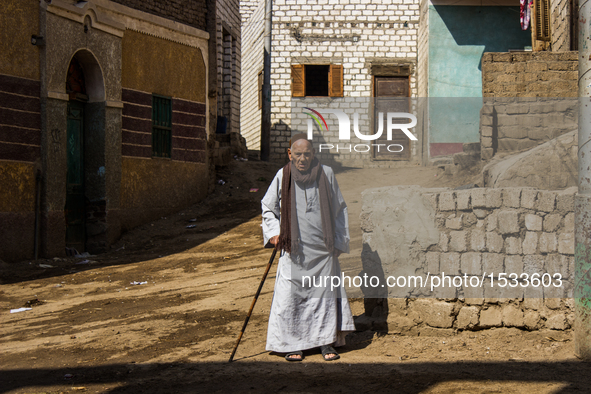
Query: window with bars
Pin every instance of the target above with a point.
(161, 126)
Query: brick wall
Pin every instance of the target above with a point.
(229, 43)
(252, 64)
(511, 120)
(387, 32)
(474, 233)
(561, 25)
(248, 7)
(193, 12)
(423, 52)
(530, 74)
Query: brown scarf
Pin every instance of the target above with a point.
(289, 234)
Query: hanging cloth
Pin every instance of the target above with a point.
(525, 13)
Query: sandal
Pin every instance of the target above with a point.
(327, 349)
(298, 353)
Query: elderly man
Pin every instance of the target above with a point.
(305, 216)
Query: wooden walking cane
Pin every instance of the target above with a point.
(253, 302)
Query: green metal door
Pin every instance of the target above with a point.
(74, 210)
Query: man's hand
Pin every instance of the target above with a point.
(274, 240)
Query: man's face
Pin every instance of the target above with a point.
(301, 155)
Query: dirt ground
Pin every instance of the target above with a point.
(91, 329)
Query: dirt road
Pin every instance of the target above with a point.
(161, 312)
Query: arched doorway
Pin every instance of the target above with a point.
(85, 207)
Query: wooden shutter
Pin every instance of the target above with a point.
(542, 20)
(335, 80)
(260, 90)
(298, 80)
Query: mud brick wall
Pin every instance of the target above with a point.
(510, 119)
(193, 12)
(530, 74)
(410, 230)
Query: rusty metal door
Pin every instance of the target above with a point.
(391, 95)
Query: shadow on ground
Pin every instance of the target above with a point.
(248, 376)
(231, 205)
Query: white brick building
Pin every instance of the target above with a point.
(354, 44)
(345, 53)
(228, 24)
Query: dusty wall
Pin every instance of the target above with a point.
(475, 232)
(20, 129)
(17, 56)
(552, 165)
(154, 65)
(192, 13)
(152, 188)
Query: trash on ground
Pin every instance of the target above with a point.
(83, 262)
(82, 255)
(71, 252)
(20, 310)
(240, 158)
(138, 283)
(254, 189)
(191, 226)
(45, 266)
(221, 182)
(34, 301)
(192, 220)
